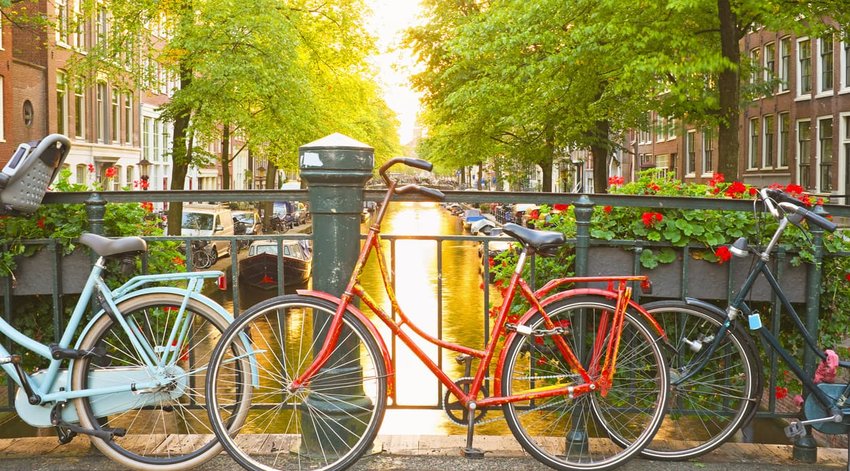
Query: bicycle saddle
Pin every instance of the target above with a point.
(106, 247)
(545, 243)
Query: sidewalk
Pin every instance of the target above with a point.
(426, 453)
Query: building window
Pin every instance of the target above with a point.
(79, 110)
(660, 129)
(784, 134)
(707, 151)
(116, 180)
(755, 63)
(845, 145)
(804, 139)
(754, 143)
(101, 33)
(155, 139)
(690, 153)
(804, 71)
(146, 138)
(82, 174)
(63, 21)
(61, 103)
(769, 151)
(100, 112)
(770, 62)
(2, 110)
(825, 153)
(115, 115)
(671, 128)
(784, 63)
(128, 118)
(845, 61)
(825, 65)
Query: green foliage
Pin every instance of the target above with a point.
(33, 315)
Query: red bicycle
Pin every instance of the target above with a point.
(580, 378)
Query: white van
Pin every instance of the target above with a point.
(202, 220)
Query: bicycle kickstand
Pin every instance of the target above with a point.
(469, 451)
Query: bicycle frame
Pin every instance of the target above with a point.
(592, 380)
(739, 306)
(112, 298)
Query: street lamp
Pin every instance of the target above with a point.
(144, 168)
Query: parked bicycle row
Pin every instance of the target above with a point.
(585, 377)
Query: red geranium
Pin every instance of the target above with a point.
(781, 392)
(534, 214)
(723, 254)
(91, 168)
(607, 209)
(715, 179)
(650, 218)
(110, 172)
(735, 190)
(560, 207)
(614, 181)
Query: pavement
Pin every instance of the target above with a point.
(427, 453)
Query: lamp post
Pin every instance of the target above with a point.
(144, 168)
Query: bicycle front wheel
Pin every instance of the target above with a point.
(326, 424)
(575, 433)
(166, 427)
(712, 394)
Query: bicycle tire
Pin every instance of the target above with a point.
(188, 438)
(727, 390)
(570, 434)
(341, 408)
(202, 259)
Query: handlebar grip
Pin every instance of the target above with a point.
(781, 196)
(817, 219)
(432, 193)
(418, 163)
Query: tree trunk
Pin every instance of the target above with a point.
(225, 157)
(548, 159)
(599, 154)
(181, 156)
(729, 87)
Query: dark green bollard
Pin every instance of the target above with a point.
(336, 169)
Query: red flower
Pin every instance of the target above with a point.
(40, 223)
(490, 262)
(513, 319)
(144, 184)
(753, 191)
(607, 209)
(147, 206)
(653, 188)
(794, 189)
(560, 207)
(735, 190)
(847, 277)
(91, 168)
(541, 361)
(135, 183)
(110, 172)
(178, 261)
(716, 178)
(781, 392)
(534, 214)
(614, 181)
(723, 254)
(650, 218)
(539, 340)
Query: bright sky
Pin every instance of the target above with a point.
(395, 65)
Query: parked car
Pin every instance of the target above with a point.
(208, 220)
(250, 219)
(482, 226)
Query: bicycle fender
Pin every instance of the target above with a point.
(369, 325)
(707, 306)
(154, 290)
(566, 295)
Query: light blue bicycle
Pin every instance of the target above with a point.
(133, 377)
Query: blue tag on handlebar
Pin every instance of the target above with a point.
(755, 321)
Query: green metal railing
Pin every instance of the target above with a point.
(97, 202)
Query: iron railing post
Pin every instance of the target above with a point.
(805, 447)
(336, 169)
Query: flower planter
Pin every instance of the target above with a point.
(37, 274)
(705, 280)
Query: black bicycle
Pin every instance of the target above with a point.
(716, 375)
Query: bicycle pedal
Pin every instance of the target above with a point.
(795, 429)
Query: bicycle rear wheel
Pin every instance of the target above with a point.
(166, 428)
(573, 433)
(707, 408)
(326, 424)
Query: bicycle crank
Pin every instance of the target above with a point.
(458, 413)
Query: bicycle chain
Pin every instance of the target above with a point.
(502, 416)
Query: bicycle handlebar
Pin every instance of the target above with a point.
(430, 193)
(790, 204)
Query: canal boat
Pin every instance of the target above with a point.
(259, 268)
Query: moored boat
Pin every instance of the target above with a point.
(259, 268)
